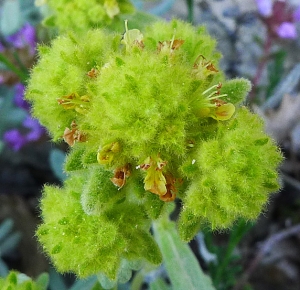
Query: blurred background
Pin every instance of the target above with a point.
(259, 40)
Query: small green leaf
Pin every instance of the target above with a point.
(236, 90)
(181, 264)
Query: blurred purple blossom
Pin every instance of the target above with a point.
(264, 7)
(35, 129)
(25, 37)
(19, 97)
(287, 30)
(297, 14)
(16, 139)
(280, 18)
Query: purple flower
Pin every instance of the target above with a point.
(297, 15)
(14, 139)
(35, 129)
(287, 30)
(24, 37)
(19, 97)
(280, 18)
(264, 7)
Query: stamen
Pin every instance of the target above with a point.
(217, 97)
(209, 89)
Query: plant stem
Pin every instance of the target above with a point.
(235, 237)
(261, 66)
(190, 5)
(23, 76)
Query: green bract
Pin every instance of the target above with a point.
(149, 117)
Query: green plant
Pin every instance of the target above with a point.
(225, 270)
(149, 117)
(82, 15)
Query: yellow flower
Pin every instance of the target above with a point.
(74, 101)
(223, 112)
(203, 68)
(154, 181)
(214, 106)
(107, 153)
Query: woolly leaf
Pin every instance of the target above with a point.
(73, 160)
(99, 191)
(182, 266)
(236, 90)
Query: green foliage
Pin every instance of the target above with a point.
(159, 284)
(18, 281)
(148, 116)
(228, 184)
(83, 15)
(88, 244)
(225, 271)
(181, 264)
(236, 90)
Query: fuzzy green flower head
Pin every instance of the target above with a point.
(149, 118)
(81, 15)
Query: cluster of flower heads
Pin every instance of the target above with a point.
(83, 15)
(149, 118)
(280, 17)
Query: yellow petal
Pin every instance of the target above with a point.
(155, 182)
(224, 112)
(107, 153)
